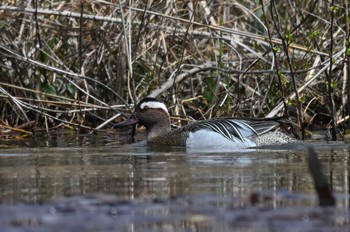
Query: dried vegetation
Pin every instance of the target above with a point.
(81, 63)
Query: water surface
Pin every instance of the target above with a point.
(46, 169)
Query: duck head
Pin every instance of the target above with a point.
(149, 112)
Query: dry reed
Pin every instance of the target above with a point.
(81, 62)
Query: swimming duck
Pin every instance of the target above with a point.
(235, 133)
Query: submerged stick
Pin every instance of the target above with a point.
(322, 187)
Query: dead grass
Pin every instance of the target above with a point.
(82, 62)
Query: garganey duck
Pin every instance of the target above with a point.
(234, 133)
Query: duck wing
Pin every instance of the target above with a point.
(235, 128)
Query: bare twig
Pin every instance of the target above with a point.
(285, 45)
(329, 78)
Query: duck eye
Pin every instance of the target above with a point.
(145, 108)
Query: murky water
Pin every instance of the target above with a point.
(46, 169)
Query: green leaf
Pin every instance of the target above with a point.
(276, 49)
(334, 84)
(2, 24)
(314, 34)
(47, 88)
(347, 52)
(289, 38)
(334, 9)
(71, 88)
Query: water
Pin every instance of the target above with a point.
(196, 191)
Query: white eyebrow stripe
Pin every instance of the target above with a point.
(154, 105)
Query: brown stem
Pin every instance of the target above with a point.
(329, 80)
(290, 66)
